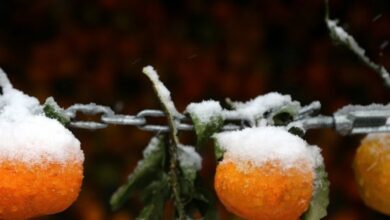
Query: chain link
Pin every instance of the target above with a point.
(347, 120)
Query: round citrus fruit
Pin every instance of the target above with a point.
(266, 173)
(372, 171)
(41, 163)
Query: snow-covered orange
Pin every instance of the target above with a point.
(270, 176)
(268, 192)
(372, 171)
(41, 163)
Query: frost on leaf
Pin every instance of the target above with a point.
(190, 161)
(162, 91)
(54, 111)
(320, 200)
(207, 118)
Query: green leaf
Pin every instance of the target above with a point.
(54, 111)
(296, 131)
(160, 187)
(206, 204)
(145, 171)
(285, 115)
(207, 119)
(320, 200)
(218, 151)
(154, 196)
(154, 210)
(189, 161)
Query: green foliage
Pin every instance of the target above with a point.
(154, 196)
(205, 130)
(218, 151)
(285, 115)
(320, 200)
(149, 167)
(296, 131)
(52, 110)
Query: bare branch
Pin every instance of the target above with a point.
(339, 35)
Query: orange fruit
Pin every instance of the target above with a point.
(268, 192)
(266, 173)
(372, 171)
(30, 190)
(41, 163)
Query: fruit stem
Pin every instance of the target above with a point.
(170, 112)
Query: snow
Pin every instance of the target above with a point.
(205, 110)
(259, 145)
(341, 35)
(27, 135)
(188, 157)
(162, 91)
(255, 108)
(152, 147)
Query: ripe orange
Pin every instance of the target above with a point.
(266, 192)
(372, 171)
(31, 190)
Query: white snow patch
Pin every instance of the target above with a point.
(255, 108)
(205, 110)
(262, 144)
(162, 91)
(27, 135)
(188, 157)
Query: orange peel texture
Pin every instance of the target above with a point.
(266, 192)
(372, 172)
(31, 190)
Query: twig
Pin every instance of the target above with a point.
(170, 111)
(339, 35)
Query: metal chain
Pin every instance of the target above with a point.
(108, 117)
(346, 121)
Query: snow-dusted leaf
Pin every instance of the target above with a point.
(146, 169)
(285, 114)
(154, 196)
(320, 200)
(206, 117)
(190, 161)
(54, 111)
(218, 151)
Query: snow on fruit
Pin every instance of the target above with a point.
(41, 163)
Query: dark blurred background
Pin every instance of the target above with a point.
(93, 51)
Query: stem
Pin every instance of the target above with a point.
(170, 112)
(339, 35)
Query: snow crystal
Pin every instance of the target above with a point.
(162, 91)
(28, 136)
(205, 110)
(255, 108)
(188, 157)
(262, 144)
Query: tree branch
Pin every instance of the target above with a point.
(339, 35)
(168, 107)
